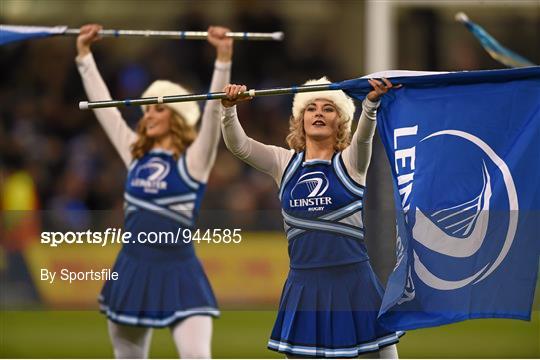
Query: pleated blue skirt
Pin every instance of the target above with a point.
(157, 287)
(331, 312)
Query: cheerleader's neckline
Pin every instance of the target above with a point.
(161, 151)
(317, 161)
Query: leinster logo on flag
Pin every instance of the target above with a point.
(453, 229)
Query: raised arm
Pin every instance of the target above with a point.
(201, 155)
(110, 119)
(269, 159)
(358, 155)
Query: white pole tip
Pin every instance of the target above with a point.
(83, 105)
(278, 35)
(461, 17)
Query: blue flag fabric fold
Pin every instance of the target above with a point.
(492, 46)
(464, 150)
(13, 33)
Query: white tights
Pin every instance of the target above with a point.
(191, 336)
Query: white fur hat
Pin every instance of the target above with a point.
(189, 111)
(344, 103)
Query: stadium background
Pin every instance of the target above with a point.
(59, 171)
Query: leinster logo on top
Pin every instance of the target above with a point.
(309, 191)
(462, 235)
(150, 176)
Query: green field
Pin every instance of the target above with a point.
(243, 334)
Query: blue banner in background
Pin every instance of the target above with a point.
(464, 149)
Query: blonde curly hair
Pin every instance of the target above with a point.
(182, 136)
(296, 139)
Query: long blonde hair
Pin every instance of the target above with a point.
(296, 139)
(182, 136)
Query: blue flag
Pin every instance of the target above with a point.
(464, 149)
(12, 33)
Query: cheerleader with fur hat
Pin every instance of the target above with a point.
(160, 285)
(189, 111)
(331, 297)
(344, 103)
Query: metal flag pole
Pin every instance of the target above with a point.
(184, 35)
(84, 105)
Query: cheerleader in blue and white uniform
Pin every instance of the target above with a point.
(160, 285)
(331, 298)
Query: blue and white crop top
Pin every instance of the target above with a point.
(322, 212)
